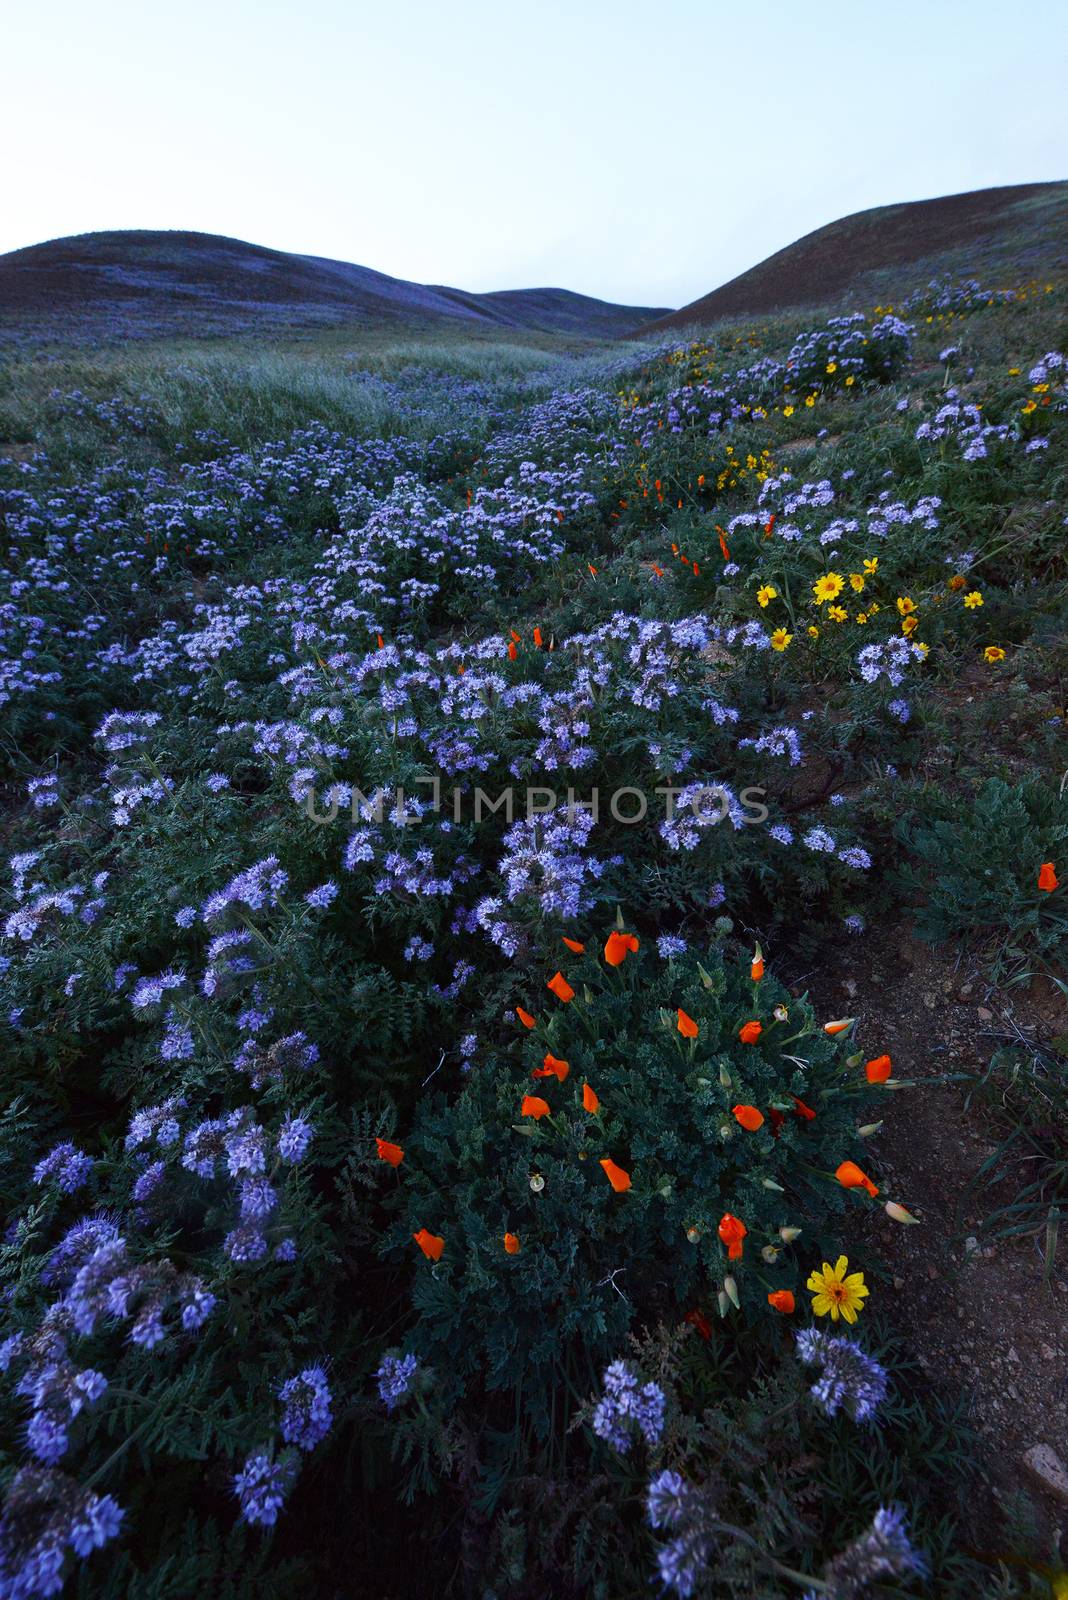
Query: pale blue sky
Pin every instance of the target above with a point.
(640, 152)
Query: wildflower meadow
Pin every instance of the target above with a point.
(444, 783)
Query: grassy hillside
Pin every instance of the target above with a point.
(131, 284)
(1005, 235)
(399, 1196)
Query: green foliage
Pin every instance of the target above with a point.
(977, 859)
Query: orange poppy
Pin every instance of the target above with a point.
(389, 1152)
(724, 548)
(537, 638)
(838, 1027)
(552, 1067)
(511, 1243)
(590, 1101)
(756, 971)
(575, 946)
(593, 569)
(732, 1231)
(512, 651)
(782, 1300)
(619, 1179)
(534, 1106)
(618, 946)
(560, 987)
(750, 1118)
(1047, 877)
(686, 1025)
(381, 641)
(850, 1176)
(515, 636)
(431, 1244)
(879, 1070)
(525, 1017)
(750, 1033)
(698, 1320)
(806, 1113)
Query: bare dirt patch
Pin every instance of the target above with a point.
(975, 1312)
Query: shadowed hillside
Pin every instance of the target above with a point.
(132, 284)
(874, 254)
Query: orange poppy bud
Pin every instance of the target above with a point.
(516, 638)
(511, 1243)
(618, 946)
(838, 1027)
(803, 1111)
(732, 1231)
(658, 570)
(750, 1033)
(560, 987)
(552, 1067)
(686, 1025)
(590, 1101)
(756, 971)
(512, 651)
(575, 946)
(724, 548)
(537, 637)
(879, 1070)
(850, 1176)
(593, 569)
(431, 1244)
(381, 641)
(750, 1118)
(619, 1179)
(696, 570)
(534, 1106)
(525, 1017)
(389, 1152)
(782, 1300)
(1047, 877)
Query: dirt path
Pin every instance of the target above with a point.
(975, 1313)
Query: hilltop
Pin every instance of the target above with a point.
(137, 284)
(872, 255)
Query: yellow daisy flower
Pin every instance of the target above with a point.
(813, 633)
(871, 567)
(909, 625)
(850, 381)
(832, 366)
(905, 605)
(765, 593)
(856, 581)
(837, 613)
(836, 1293)
(787, 411)
(829, 587)
(780, 639)
(973, 600)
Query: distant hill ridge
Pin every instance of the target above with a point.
(132, 282)
(1014, 232)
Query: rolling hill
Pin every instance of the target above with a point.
(1008, 234)
(134, 284)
